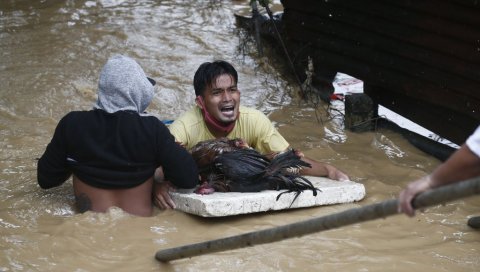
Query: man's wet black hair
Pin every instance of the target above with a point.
(208, 72)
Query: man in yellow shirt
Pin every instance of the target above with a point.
(218, 114)
(251, 125)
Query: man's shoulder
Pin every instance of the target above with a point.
(77, 115)
(189, 122)
(79, 112)
(251, 114)
(84, 113)
(191, 117)
(249, 110)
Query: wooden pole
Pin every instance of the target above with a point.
(369, 212)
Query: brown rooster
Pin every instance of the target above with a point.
(229, 165)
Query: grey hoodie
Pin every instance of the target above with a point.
(123, 86)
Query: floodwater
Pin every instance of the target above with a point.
(51, 54)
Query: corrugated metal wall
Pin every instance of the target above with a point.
(418, 58)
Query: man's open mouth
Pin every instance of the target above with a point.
(227, 109)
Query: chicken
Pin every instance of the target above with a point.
(229, 165)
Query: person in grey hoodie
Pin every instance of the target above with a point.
(113, 150)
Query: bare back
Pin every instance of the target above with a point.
(136, 200)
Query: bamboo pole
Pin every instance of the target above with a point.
(351, 216)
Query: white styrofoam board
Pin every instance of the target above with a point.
(226, 204)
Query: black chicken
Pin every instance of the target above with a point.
(231, 166)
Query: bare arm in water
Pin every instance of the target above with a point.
(463, 164)
(320, 169)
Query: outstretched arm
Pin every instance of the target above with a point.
(178, 170)
(322, 170)
(463, 164)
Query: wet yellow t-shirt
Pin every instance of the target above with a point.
(252, 126)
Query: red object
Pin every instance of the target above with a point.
(337, 97)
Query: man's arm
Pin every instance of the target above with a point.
(178, 165)
(178, 169)
(161, 191)
(52, 168)
(463, 164)
(322, 170)
(271, 142)
(163, 187)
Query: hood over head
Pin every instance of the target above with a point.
(123, 86)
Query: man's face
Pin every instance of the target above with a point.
(222, 99)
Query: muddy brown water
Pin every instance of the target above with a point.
(50, 58)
